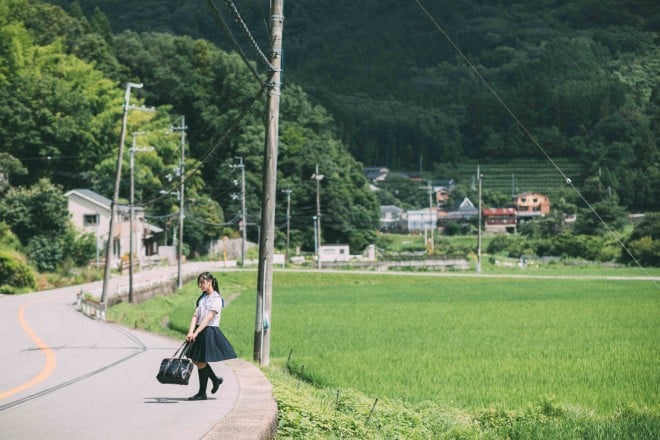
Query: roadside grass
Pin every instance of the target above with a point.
(455, 357)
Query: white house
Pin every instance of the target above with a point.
(330, 253)
(422, 220)
(90, 213)
(391, 217)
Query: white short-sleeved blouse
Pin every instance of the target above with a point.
(207, 303)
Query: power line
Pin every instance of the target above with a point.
(225, 28)
(232, 126)
(526, 131)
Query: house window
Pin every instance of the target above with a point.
(90, 220)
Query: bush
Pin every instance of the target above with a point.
(588, 247)
(46, 253)
(646, 251)
(83, 250)
(15, 272)
(8, 238)
(515, 246)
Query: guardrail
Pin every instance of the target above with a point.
(161, 280)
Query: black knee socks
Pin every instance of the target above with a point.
(203, 379)
(211, 373)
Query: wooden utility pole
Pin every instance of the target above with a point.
(115, 196)
(243, 223)
(267, 237)
(429, 190)
(479, 177)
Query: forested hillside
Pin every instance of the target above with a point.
(581, 76)
(62, 79)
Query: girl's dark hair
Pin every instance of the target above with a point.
(208, 276)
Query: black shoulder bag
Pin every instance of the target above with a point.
(177, 369)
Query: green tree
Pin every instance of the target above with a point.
(604, 216)
(644, 242)
(40, 210)
(9, 166)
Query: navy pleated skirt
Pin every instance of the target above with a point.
(211, 345)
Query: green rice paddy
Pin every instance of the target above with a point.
(467, 342)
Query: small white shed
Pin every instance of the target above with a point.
(330, 253)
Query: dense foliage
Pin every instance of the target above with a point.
(62, 78)
(580, 76)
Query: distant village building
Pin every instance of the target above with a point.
(465, 212)
(376, 174)
(391, 218)
(532, 202)
(442, 190)
(90, 213)
(333, 253)
(422, 220)
(531, 205)
(499, 220)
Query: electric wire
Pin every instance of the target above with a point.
(246, 32)
(208, 154)
(225, 28)
(567, 179)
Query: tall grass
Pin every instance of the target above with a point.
(466, 342)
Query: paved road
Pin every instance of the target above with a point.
(64, 376)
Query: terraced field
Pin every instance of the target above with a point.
(516, 176)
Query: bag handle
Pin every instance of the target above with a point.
(181, 351)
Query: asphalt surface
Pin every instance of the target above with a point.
(64, 375)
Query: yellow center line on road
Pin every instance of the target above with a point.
(51, 359)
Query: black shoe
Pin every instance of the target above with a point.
(216, 385)
(198, 397)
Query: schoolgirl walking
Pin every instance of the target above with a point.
(208, 343)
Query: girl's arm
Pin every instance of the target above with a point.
(209, 316)
(193, 322)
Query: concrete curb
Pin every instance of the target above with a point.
(254, 415)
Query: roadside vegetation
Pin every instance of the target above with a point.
(419, 356)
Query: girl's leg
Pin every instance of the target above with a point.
(215, 380)
(203, 381)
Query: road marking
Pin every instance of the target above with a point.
(51, 359)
